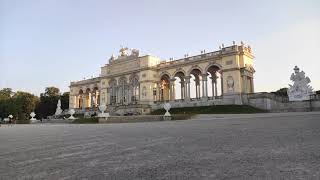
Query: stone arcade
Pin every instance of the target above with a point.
(134, 84)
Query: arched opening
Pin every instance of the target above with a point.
(214, 81)
(123, 90)
(80, 99)
(135, 89)
(179, 85)
(112, 91)
(195, 82)
(165, 88)
(88, 98)
(95, 97)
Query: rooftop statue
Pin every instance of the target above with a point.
(123, 51)
(300, 90)
(112, 58)
(135, 52)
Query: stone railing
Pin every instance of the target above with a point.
(315, 96)
(267, 95)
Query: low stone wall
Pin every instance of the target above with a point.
(273, 105)
(125, 119)
(229, 99)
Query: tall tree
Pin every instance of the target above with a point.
(52, 91)
(65, 100)
(281, 92)
(18, 104)
(6, 93)
(25, 103)
(48, 102)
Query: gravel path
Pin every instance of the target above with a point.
(264, 146)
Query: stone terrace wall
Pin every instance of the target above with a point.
(272, 103)
(142, 118)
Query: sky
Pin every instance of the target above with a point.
(52, 42)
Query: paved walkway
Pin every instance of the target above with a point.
(260, 146)
(258, 115)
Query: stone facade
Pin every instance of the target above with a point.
(131, 83)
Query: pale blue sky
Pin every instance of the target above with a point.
(52, 42)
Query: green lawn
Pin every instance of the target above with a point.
(218, 109)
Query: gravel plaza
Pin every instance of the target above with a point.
(257, 146)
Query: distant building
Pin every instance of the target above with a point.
(135, 84)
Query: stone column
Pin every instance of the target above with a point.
(109, 91)
(245, 84)
(221, 77)
(84, 104)
(187, 88)
(159, 91)
(92, 104)
(76, 101)
(197, 87)
(98, 99)
(252, 85)
(182, 89)
(196, 90)
(172, 92)
(204, 86)
(212, 85)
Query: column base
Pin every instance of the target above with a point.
(204, 98)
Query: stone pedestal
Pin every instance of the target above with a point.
(167, 118)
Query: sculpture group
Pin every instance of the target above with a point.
(300, 90)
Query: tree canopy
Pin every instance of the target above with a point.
(20, 104)
(281, 92)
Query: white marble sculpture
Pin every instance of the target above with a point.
(103, 108)
(300, 90)
(58, 110)
(71, 112)
(167, 107)
(32, 114)
(33, 120)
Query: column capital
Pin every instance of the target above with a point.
(172, 80)
(204, 77)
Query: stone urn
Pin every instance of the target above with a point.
(33, 120)
(167, 116)
(71, 112)
(32, 114)
(103, 108)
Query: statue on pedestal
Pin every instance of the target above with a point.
(135, 52)
(167, 115)
(300, 90)
(58, 110)
(123, 51)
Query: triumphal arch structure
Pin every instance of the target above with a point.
(135, 84)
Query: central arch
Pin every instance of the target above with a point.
(134, 89)
(80, 99)
(165, 87)
(95, 97)
(215, 74)
(196, 78)
(180, 75)
(112, 91)
(123, 90)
